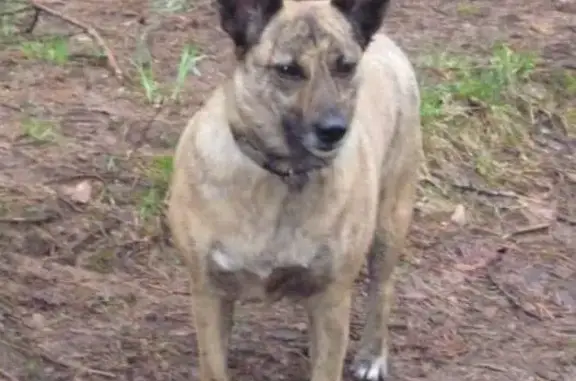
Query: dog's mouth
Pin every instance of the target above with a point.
(293, 169)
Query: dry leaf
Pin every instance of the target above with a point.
(80, 193)
(459, 215)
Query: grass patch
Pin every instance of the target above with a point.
(13, 14)
(466, 9)
(158, 173)
(54, 50)
(39, 131)
(170, 6)
(148, 83)
(470, 112)
(157, 93)
(564, 82)
(569, 83)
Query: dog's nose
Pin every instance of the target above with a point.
(331, 129)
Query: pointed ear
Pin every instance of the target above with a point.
(365, 15)
(244, 20)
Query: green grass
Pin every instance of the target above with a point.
(12, 14)
(570, 83)
(188, 63)
(158, 173)
(149, 84)
(466, 9)
(564, 81)
(170, 6)
(54, 50)
(157, 93)
(470, 115)
(39, 131)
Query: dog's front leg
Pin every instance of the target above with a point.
(372, 362)
(213, 318)
(329, 317)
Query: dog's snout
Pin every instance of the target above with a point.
(331, 129)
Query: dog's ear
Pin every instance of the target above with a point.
(365, 15)
(244, 20)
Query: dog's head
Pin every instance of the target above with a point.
(294, 90)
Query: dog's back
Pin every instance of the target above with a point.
(389, 107)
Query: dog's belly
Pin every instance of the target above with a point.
(270, 276)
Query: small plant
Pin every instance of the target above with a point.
(188, 62)
(149, 84)
(53, 50)
(159, 174)
(170, 6)
(564, 82)
(466, 9)
(510, 68)
(570, 83)
(39, 131)
(154, 91)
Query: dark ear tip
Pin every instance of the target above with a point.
(237, 18)
(366, 16)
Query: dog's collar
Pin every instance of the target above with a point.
(281, 167)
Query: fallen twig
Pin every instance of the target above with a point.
(8, 376)
(527, 229)
(39, 219)
(514, 302)
(89, 30)
(77, 177)
(511, 298)
(34, 21)
(77, 367)
(493, 367)
(10, 107)
(486, 192)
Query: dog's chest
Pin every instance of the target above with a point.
(295, 270)
(268, 244)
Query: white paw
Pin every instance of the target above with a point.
(372, 370)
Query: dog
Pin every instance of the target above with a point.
(297, 170)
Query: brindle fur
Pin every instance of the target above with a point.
(257, 214)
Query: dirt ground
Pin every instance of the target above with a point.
(91, 290)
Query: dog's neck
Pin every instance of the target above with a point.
(281, 167)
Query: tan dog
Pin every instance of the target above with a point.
(296, 169)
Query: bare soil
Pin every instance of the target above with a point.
(90, 291)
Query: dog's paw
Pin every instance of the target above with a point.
(375, 369)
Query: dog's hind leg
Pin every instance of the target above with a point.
(329, 316)
(213, 318)
(395, 214)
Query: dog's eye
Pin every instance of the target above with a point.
(290, 71)
(344, 67)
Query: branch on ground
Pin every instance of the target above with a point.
(88, 29)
